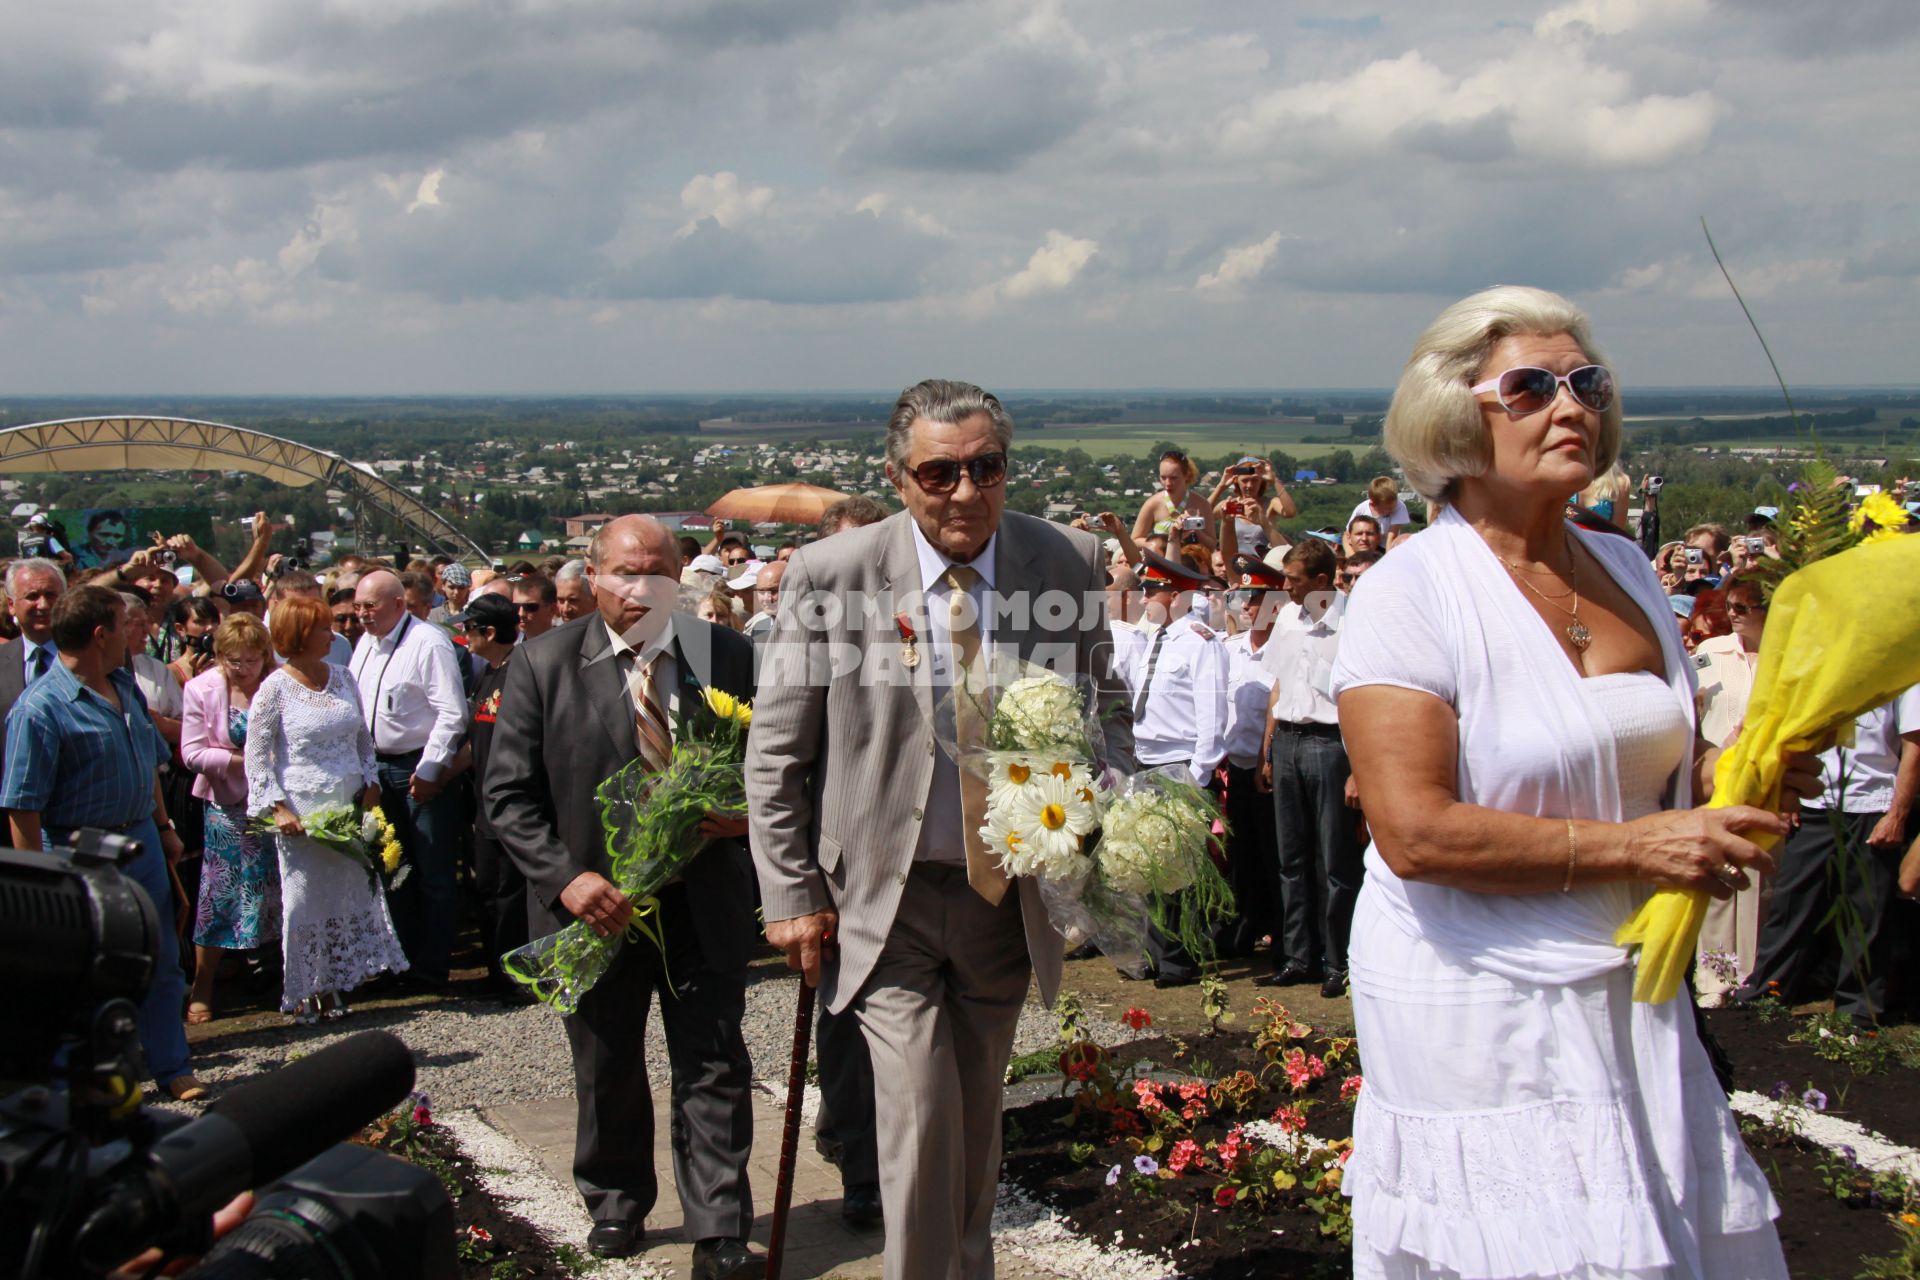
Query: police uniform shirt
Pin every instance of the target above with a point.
(1185, 716)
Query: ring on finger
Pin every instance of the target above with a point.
(1728, 872)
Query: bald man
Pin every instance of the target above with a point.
(416, 710)
(580, 703)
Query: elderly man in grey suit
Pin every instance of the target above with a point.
(580, 703)
(864, 831)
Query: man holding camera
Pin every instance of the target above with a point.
(82, 752)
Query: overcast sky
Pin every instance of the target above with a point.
(363, 196)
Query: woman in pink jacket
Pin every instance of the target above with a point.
(239, 906)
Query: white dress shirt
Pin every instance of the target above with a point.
(665, 674)
(1867, 769)
(1248, 685)
(1185, 717)
(158, 685)
(1299, 656)
(942, 830)
(410, 693)
(1129, 644)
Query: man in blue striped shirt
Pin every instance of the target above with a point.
(82, 752)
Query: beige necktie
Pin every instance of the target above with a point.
(651, 733)
(970, 727)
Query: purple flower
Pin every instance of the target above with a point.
(1147, 1165)
(1780, 1090)
(1851, 1156)
(1113, 1175)
(1815, 1099)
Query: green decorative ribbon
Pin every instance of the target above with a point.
(646, 924)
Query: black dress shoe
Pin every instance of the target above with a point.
(1165, 980)
(725, 1258)
(860, 1205)
(1335, 986)
(615, 1239)
(1288, 975)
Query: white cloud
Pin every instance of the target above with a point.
(1241, 264)
(1053, 266)
(721, 197)
(427, 194)
(1615, 17)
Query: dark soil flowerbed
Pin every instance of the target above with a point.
(1833, 1216)
(490, 1241)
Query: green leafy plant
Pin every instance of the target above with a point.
(1904, 1262)
(1834, 1037)
(1215, 1003)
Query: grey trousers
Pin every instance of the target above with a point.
(939, 1012)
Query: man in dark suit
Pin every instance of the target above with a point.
(33, 587)
(580, 703)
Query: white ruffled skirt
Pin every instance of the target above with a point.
(1501, 1132)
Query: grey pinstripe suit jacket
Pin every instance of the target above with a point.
(842, 751)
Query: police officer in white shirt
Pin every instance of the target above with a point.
(1253, 859)
(1179, 684)
(411, 696)
(1304, 763)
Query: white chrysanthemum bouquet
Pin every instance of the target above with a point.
(1108, 852)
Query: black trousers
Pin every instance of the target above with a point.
(1253, 864)
(501, 891)
(846, 1118)
(1321, 861)
(711, 1133)
(1851, 955)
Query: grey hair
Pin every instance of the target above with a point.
(570, 570)
(942, 400)
(33, 564)
(133, 601)
(1434, 428)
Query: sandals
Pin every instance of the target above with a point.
(199, 1014)
(308, 1014)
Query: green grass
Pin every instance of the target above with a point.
(1208, 439)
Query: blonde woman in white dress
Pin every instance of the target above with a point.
(1519, 713)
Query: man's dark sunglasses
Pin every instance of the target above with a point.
(942, 475)
(529, 606)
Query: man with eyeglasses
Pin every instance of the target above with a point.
(865, 833)
(411, 697)
(533, 598)
(346, 622)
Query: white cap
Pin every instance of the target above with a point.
(748, 573)
(708, 564)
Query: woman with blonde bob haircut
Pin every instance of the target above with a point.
(1519, 715)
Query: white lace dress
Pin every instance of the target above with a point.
(310, 748)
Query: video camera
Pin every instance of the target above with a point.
(90, 1179)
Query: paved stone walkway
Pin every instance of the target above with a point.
(819, 1245)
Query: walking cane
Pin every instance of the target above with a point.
(790, 1131)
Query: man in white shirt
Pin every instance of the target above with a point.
(411, 696)
(766, 601)
(1253, 858)
(1304, 763)
(1852, 834)
(1178, 679)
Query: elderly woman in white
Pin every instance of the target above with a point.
(1519, 713)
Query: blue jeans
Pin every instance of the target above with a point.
(426, 908)
(163, 1035)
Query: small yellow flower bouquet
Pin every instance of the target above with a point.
(364, 835)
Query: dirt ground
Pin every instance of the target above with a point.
(1177, 1009)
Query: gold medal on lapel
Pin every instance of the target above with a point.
(909, 642)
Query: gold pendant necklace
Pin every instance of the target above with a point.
(1577, 634)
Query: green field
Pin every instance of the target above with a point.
(1208, 439)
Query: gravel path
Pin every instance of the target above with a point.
(473, 1052)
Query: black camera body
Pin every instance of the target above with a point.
(90, 1179)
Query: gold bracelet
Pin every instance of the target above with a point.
(1573, 851)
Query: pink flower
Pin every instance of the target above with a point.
(1350, 1088)
(1318, 1066)
(422, 1116)
(1292, 1118)
(1223, 1196)
(1147, 1094)
(1185, 1152)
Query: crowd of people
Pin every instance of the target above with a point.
(1443, 790)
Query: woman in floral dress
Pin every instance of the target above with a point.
(308, 749)
(239, 900)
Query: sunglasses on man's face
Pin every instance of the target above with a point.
(529, 606)
(942, 475)
(1526, 389)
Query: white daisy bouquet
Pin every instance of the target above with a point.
(1106, 852)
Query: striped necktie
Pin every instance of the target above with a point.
(37, 664)
(970, 726)
(651, 732)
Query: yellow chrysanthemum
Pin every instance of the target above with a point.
(1880, 508)
(743, 715)
(722, 703)
(390, 855)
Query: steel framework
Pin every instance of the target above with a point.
(183, 444)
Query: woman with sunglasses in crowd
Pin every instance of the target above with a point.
(1724, 665)
(1176, 513)
(1519, 714)
(1248, 504)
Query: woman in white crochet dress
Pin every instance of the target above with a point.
(1519, 713)
(308, 749)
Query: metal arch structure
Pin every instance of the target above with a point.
(185, 444)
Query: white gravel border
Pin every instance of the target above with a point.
(1874, 1151)
(1037, 1235)
(510, 1172)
